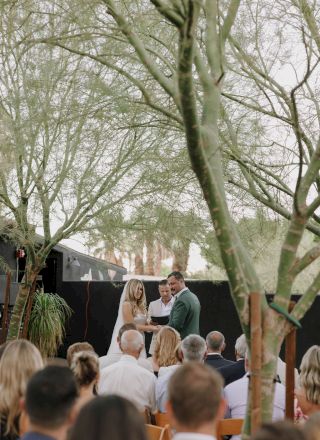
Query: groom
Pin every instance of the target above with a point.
(185, 313)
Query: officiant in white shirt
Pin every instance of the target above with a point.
(161, 307)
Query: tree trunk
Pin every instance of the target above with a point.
(30, 276)
(138, 263)
(150, 257)
(158, 259)
(181, 257)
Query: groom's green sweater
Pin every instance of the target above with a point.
(185, 314)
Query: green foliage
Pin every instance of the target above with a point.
(47, 322)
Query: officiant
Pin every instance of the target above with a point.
(160, 309)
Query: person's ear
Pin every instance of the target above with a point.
(221, 409)
(73, 414)
(22, 404)
(169, 412)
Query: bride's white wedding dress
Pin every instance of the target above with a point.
(114, 353)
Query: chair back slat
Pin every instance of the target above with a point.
(229, 427)
(158, 432)
(161, 419)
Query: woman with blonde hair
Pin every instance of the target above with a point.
(85, 367)
(166, 350)
(308, 391)
(19, 361)
(132, 308)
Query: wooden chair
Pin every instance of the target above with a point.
(229, 427)
(161, 419)
(158, 432)
(146, 415)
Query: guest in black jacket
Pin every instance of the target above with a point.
(233, 372)
(216, 345)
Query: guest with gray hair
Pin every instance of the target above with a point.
(193, 348)
(235, 371)
(127, 378)
(216, 345)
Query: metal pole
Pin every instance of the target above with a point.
(255, 367)
(4, 330)
(290, 359)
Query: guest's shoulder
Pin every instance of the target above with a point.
(106, 370)
(146, 373)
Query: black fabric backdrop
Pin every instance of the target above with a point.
(95, 306)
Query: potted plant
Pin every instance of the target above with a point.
(46, 327)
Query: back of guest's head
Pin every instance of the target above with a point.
(241, 346)
(85, 367)
(75, 348)
(131, 340)
(215, 341)
(310, 374)
(194, 394)
(19, 361)
(112, 417)
(165, 350)
(193, 348)
(50, 396)
(281, 430)
(311, 428)
(125, 327)
(57, 361)
(177, 275)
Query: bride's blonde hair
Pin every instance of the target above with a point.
(138, 305)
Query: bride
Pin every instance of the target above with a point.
(132, 308)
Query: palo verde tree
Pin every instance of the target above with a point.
(174, 57)
(66, 161)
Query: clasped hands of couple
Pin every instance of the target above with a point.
(153, 327)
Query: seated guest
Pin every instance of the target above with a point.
(19, 360)
(194, 402)
(281, 430)
(281, 372)
(127, 378)
(85, 367)
(236, 394)
(105, 361)
(76, 348)
(165, 349)
(308, 391)
(192, 349)
(50, 403)
(109, 417)
(216, 345)
(235, 371)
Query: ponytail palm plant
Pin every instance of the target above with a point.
(47, 322)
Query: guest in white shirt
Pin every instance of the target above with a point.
(161, 307)
(236, 394)
(192, 349)
(195, 403)
(127, 378)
